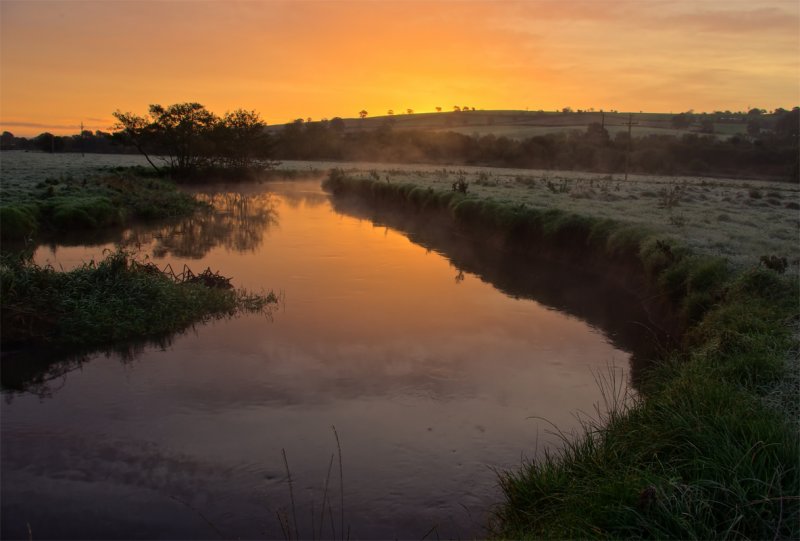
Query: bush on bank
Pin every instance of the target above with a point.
(116, 299)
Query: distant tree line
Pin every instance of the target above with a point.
(186, 137)
(768, 153)
(86, 141)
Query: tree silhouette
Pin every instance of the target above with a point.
(363, 113)
(409, 111)
(681, 121)
(187, 136)
(239, 137)
(753, 127)
(438, 109)
(182, 131)
(7, 140)
(390, 112)
(137, 131)
(337, 124)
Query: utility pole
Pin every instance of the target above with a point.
(628, 153)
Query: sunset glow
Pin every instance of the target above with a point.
(67, 62)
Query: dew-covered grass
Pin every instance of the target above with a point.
(738, 220)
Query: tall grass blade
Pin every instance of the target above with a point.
(325, 497)
(291, 494)
(341, 479)
(201, 515)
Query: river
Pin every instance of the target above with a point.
(436, 365)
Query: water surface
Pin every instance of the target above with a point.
(432, 376)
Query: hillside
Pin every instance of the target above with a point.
(523, 124)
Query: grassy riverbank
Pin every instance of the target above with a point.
(710, 449)
(733, 219)
(93, 201)
(107, 302)
(114, 300)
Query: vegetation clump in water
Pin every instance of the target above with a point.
(116, 299)
(93, 202)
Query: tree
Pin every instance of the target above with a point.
(337, 124)
(137, 131)
(681, 121)
(754, 127)
(363, 114)
(183, 131)
(239, 137)
(438, 109)
(707, 125)
(409, 111)
(456, 108)
(7, 140)
(788, 124)
(597, 134)
(47, 142)
(390, 112)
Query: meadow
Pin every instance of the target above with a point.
(735, 219)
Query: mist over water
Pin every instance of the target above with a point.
(431, 375)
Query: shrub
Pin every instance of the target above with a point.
(18, 221)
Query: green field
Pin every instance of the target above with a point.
(524, 124)
(738, 220)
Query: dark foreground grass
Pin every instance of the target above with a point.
(115, 300)
(93, 202)
(699, 454)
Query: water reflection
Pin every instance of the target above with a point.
(234, 221)
(595, 297)
(42, 371)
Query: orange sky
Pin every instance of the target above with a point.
(64, 61)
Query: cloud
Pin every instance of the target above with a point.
(303, 58)
(764, 20)
(39, 125)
